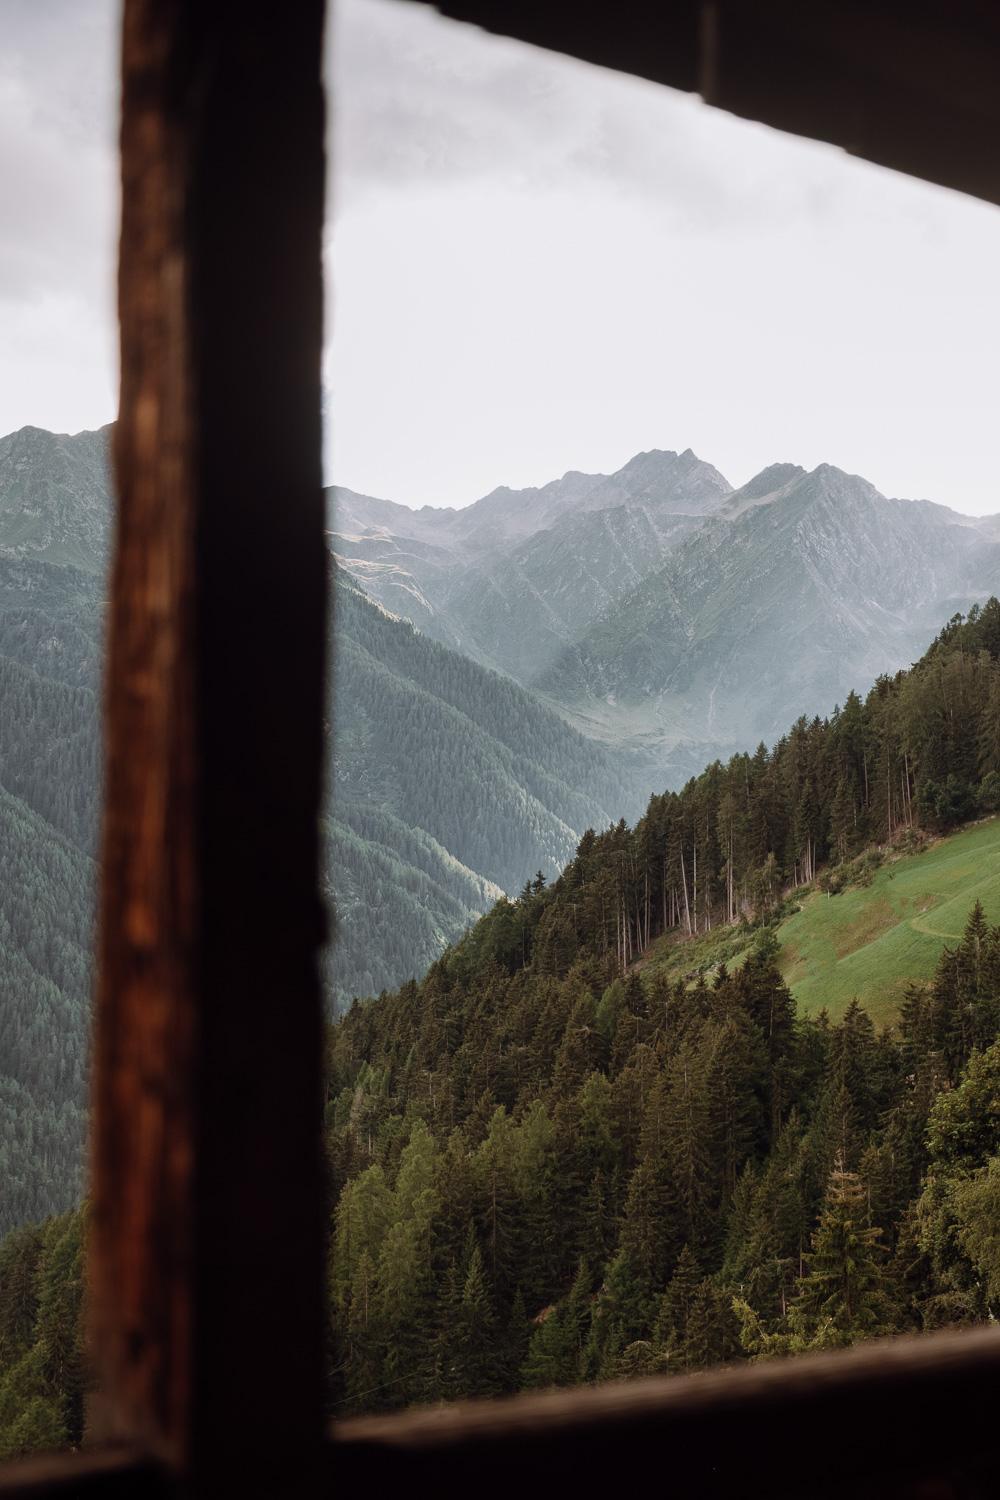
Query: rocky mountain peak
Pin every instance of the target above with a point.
(827, 482)
(769, 481)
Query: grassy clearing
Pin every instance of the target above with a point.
(870, 941)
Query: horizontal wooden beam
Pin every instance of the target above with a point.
(101, 1473)
(906, 1417)
(892, 1418)
(908, 84)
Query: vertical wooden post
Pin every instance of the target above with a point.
(206, 1229)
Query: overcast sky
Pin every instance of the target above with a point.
(537, 266)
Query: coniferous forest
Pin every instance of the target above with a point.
(549, 1166)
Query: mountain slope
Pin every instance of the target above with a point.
(555, 1167)
(455, 783)
(548, 1167)
(46, 921)
(445, 773)
(54, 497)
(515, 577)
(53, 541)
(799, 589)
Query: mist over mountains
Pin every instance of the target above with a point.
(659, 609)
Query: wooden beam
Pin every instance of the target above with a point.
(207, 1195)
(660, 42)
(909, 84)
(904, 1417)
(910, 87)
(104, 1474)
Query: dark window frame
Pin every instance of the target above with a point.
(207, 1229)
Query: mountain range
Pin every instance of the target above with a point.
(659, 608)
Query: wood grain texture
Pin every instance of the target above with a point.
(903, 1417)
(207, 1226)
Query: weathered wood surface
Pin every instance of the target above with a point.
(207, 1223)
(911, 84)
(112, 1474)
(903, 1417)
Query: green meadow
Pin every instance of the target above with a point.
(869, 941)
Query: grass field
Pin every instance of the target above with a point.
(870, 941)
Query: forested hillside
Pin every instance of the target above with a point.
(42, 1369)
(45, 963)
(546, 1179)
(50, 648)
(552, 1167)
(538, 1187)
(450, 784)
(551, 1164)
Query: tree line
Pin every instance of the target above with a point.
(922, 750)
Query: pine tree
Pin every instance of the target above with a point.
(711, 1336)
(556, 1351)
(516, 1338)
(842, 820)
(675, 1309)
(846, 1293)
(362, 1354)
(473, 1366)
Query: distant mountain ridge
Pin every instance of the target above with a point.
(519, 575)
(802, 587)
(660, 608)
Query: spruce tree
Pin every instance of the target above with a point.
(473, 1363)
(556, 1350)
(846, 1293)
(675, 1309)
